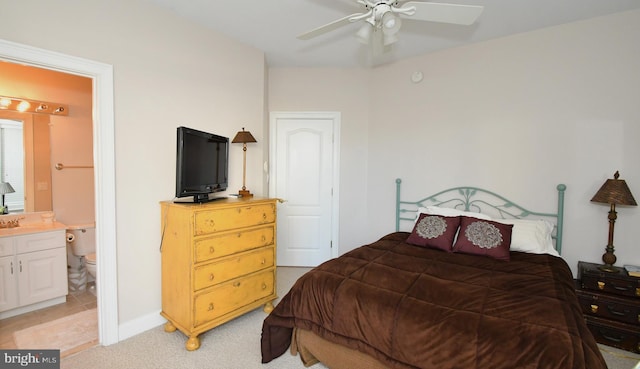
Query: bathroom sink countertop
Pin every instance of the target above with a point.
(27, 228)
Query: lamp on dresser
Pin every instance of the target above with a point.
(243, 137)
(613, 192)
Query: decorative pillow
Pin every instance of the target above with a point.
(449, 212)
(531, 235)
(434, 231)
(484, 237)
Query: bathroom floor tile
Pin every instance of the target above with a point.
(75, 303)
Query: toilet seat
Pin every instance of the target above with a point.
(90, 258)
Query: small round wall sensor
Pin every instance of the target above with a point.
(416, 77)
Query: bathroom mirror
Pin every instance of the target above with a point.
(36, 153)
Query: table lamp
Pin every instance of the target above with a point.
(613, 192)
(243, 137)
(5, 187)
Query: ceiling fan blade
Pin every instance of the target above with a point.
(328, 27)
(443, 13)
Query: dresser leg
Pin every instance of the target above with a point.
(193, 343)
(268, 307)
(169, 327)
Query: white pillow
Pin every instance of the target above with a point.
(449, 212)
(532, 236)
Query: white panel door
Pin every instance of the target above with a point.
(303, 175)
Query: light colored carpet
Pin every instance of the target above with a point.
(234, 345)
(70, 334)
(619, 359)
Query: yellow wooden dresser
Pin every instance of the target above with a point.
(218, 262)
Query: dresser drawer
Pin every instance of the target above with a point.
(620, 335)
(617, 286)
(229, 243)
(610, 307)
(233, 218)
(232, 295)
(230, 268)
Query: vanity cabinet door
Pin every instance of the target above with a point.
(43, 275)
(8, 283)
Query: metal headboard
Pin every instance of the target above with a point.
(481, 201)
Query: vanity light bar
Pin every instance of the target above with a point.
(32, 106)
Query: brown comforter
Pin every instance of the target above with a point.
(413, 307)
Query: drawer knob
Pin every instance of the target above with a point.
(239, 234)
(264, 286)
(264, 216)
(638, 291)
(211, 277)
(594, 308)
(211, 222)
(600, 285)
(211, 250)
(210, 306)
(263, 261)
(236, 284)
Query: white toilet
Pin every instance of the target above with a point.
(82, 239)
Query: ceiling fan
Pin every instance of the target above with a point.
(382, 19)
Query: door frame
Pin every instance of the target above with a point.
(335, 175)
(104, 168)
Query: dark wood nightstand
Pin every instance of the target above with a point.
(611, 305)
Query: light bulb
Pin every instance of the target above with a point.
(391, 24)
(23, 106)
(5, 103)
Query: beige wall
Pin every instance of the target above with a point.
(167, 73)
(346, 91)
(516, 115)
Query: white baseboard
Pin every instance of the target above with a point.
(140, 325)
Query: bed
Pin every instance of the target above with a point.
(473, 281)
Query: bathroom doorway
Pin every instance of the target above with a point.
(104, 162)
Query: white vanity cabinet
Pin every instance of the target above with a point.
(33, 271)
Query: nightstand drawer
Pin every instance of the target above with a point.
(617, 286)
(592, 278)
(620, 335)
(610, 307)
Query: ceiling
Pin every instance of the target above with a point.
(272, 26)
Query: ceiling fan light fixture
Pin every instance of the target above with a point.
(391, 24)
(382, 19)
(364, 33)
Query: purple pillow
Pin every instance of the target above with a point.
(484, 237)
(434, 231)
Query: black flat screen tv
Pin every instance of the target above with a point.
(202, 164)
